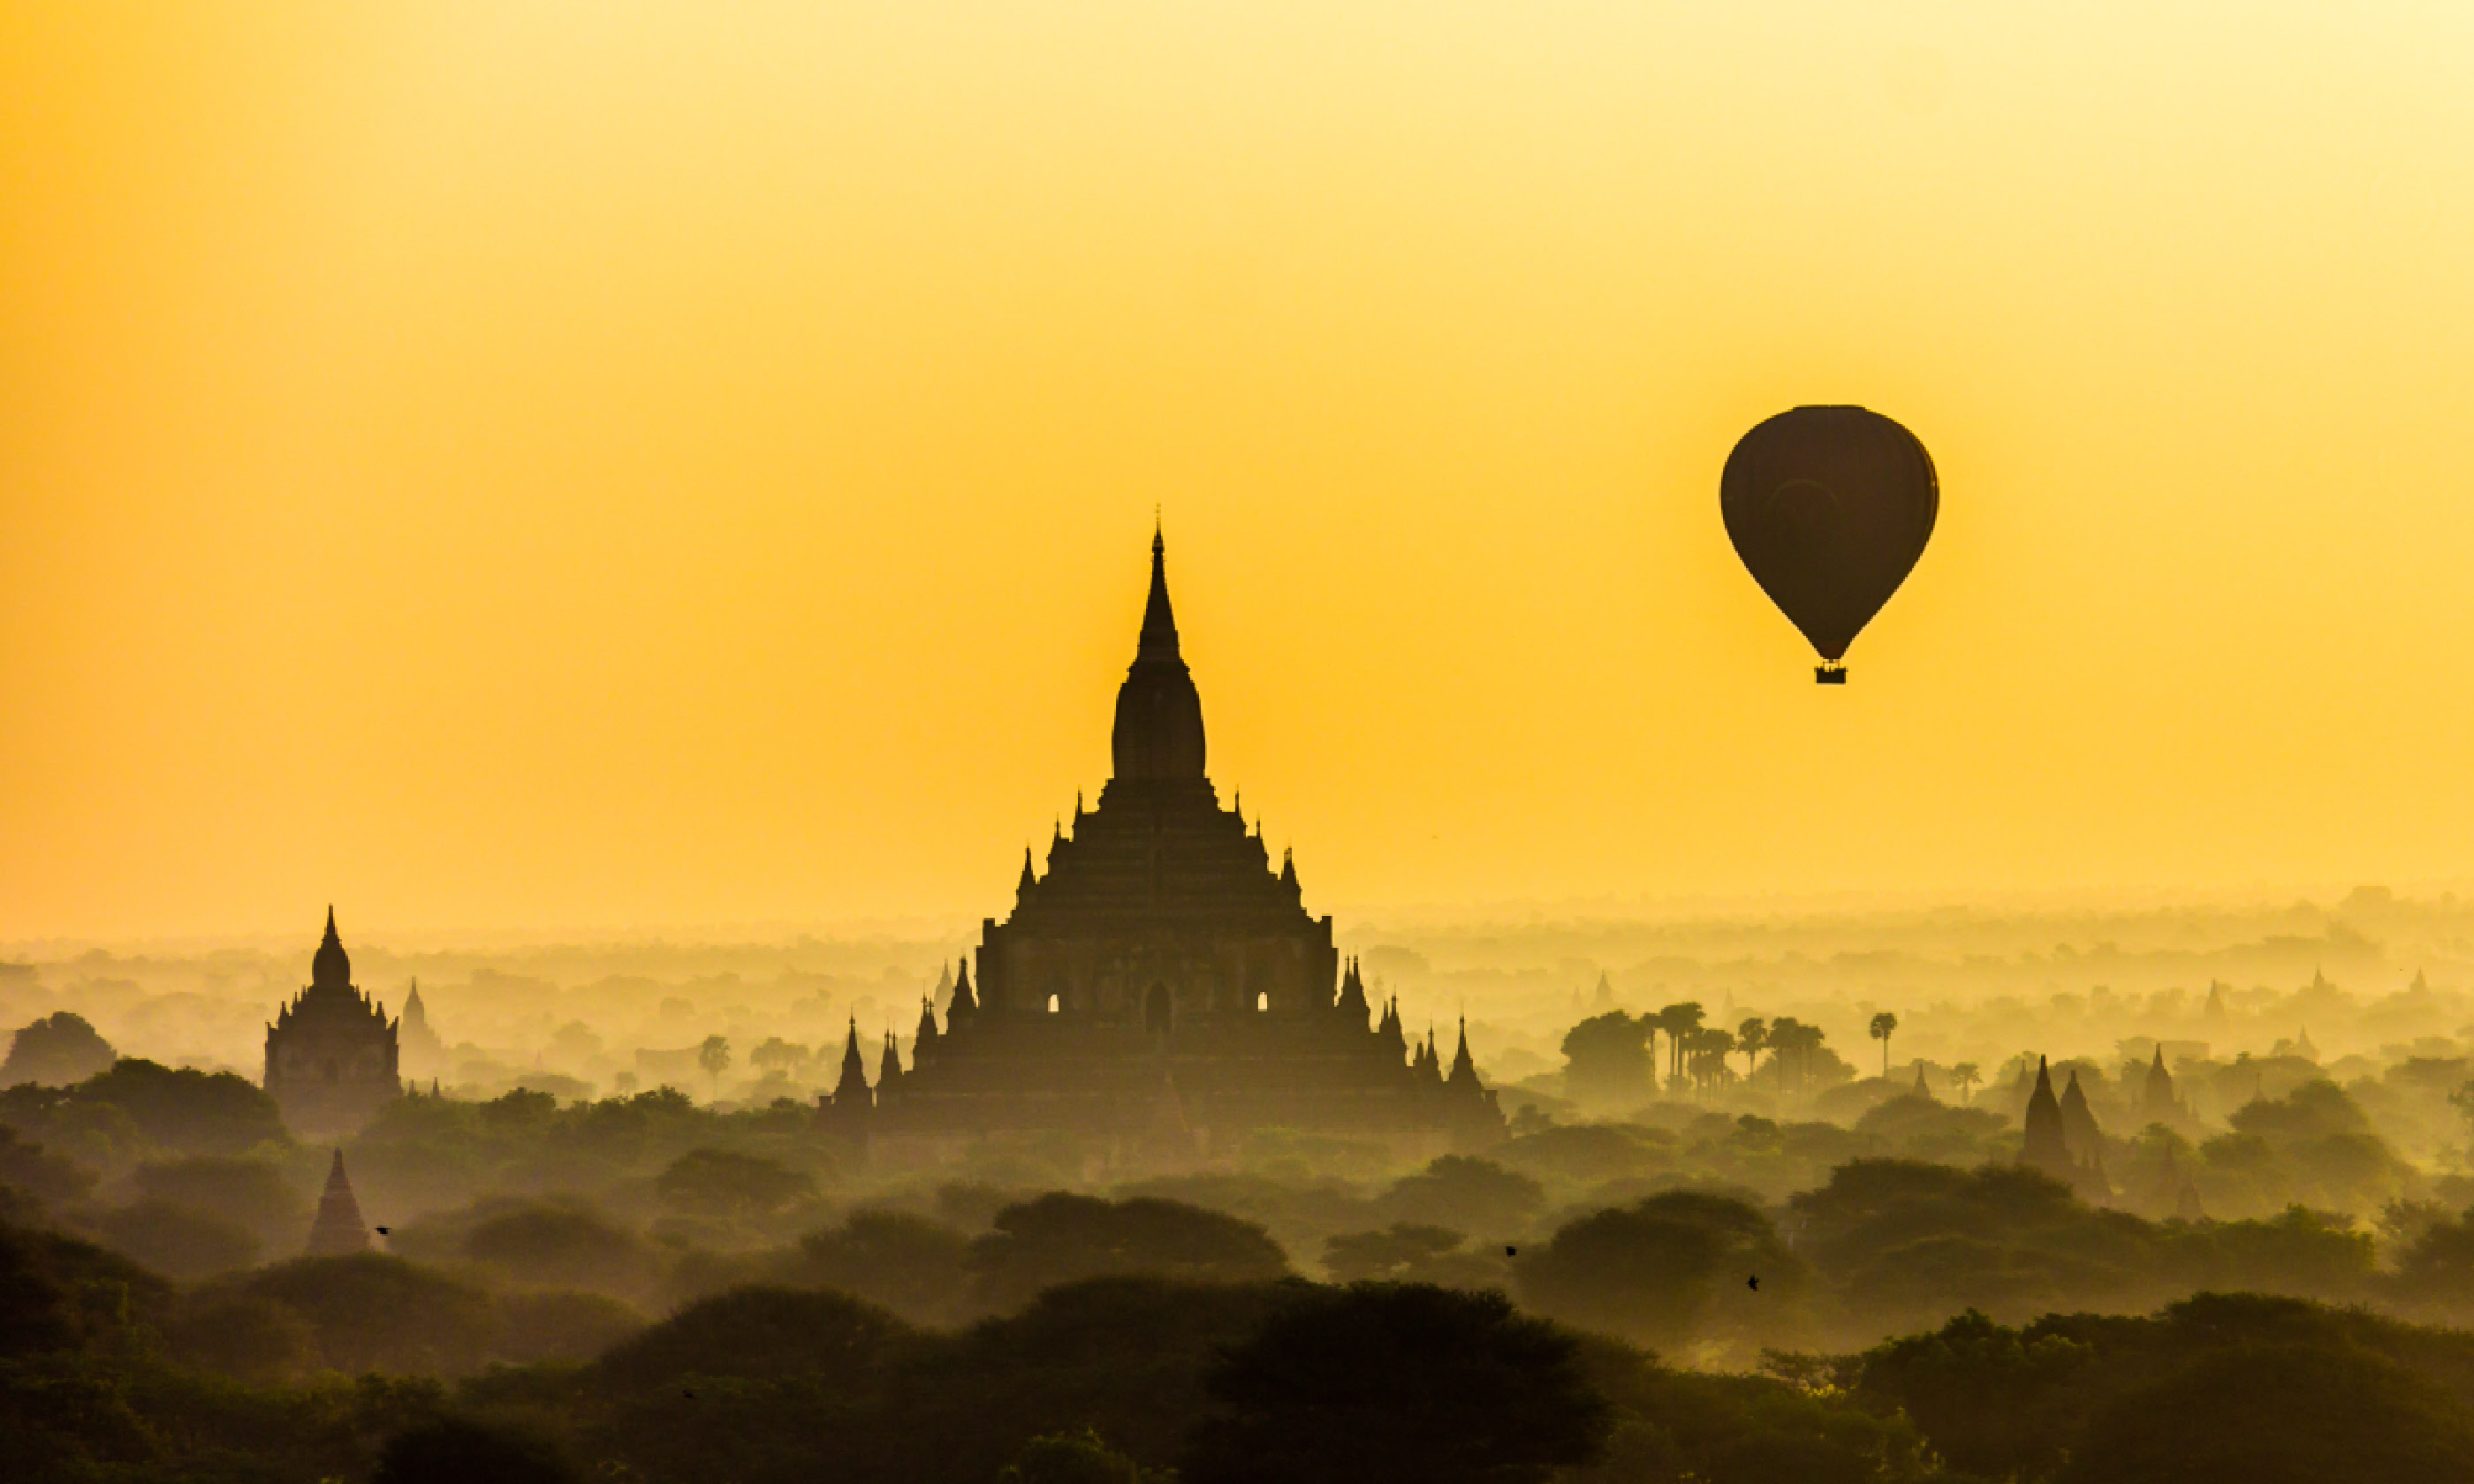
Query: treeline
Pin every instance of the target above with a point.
(1652, 1234)
(1126, 1379)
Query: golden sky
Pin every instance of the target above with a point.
(611, 466)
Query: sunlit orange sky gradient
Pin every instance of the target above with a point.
(607, 465)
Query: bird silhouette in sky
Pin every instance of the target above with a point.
(1753, 1283)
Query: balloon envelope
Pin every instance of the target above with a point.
(1829, 506)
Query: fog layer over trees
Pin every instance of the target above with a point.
(1762, 1213)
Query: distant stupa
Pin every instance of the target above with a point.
(2080, 1131)
(2046, 1147)
(2157, 1099)
(417, 1041)
(338, 1232)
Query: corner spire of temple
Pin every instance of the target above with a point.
(1353, 995)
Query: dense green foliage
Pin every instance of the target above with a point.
(1115, 1380)
(139, 1107)
(61, 1048)
(648, 1290)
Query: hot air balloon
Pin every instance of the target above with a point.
(1829, 507)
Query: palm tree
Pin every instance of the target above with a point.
(1680, 1021)
(1882, 1025)
(1752, 1037)
(1712, 1048)
(1964, 1076)
(1807, 1041)
(1785, 1034)
(714, 1056)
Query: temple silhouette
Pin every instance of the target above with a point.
(2062, 1138)
(338, 1232)
(331, 1052)
(1161, 985)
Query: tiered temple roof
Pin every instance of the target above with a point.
(1159, 953)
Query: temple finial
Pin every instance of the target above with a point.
(1158, 638)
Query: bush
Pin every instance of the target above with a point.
(247, 1336)
(918, 1268)
(758, 1333)
(251, 1194)
(456, 1450)
(536, 1327)
(174, 1240)
(1466, 1195)
(560, 1246)
(718, 1182)
(60, 1049)
(180, 1109)
(1652, 1272)
(1060, 1238)
(1378, 1381)
(371, 1312)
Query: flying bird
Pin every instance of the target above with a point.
(1753, 1283)
(1511, 1252)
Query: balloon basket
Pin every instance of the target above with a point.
(1829, 675)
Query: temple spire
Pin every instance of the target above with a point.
(330, 968)
(1463, 1067)
(1159, 624)
(1158, 734)
(853, 1085)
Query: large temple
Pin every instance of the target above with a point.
(331, 1053)
(1162, 984)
